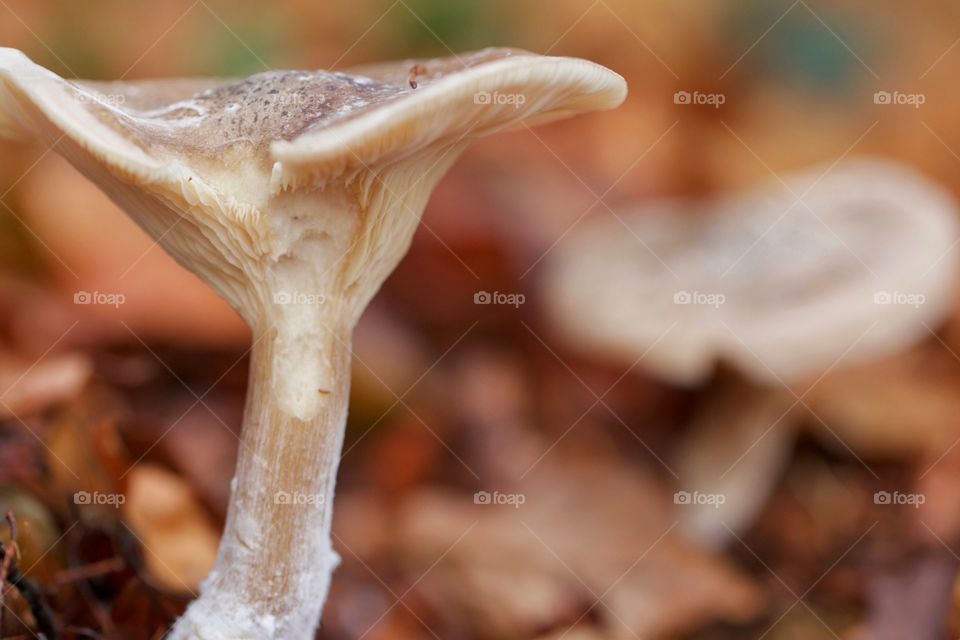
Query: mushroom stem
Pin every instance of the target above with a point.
(276, 559)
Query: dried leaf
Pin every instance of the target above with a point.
(179, 540)
(27, 388)
(581, 532)
(906, 405)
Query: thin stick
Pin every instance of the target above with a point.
(30, 592)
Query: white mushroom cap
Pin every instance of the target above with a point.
(227, 158)
(316, 122)
(782, 289)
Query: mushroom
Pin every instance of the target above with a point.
(783, 283)
(293, 195)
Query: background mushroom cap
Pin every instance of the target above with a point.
(836, 266)
(282, 129)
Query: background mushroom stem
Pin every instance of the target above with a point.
(276, 559)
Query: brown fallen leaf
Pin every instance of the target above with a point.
(178, 538)
(22, 457)
(582, 632)
(900, 407)
(86, 460)
(491, 399)
(28, 387)
(582, 533)
(388, 360)
(938, 518)
(197, 440)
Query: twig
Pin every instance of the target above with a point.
(8, 559)
(91, 570)
(85, 632)
(30, 592)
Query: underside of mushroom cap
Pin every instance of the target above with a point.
(245, 140)
(845, 264)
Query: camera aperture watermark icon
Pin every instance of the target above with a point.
(699, 98)
(696, 498)
(299, 499)
(100, 298)
(903, 298)
(97, 498)
(299, 298)
(498, 99)
(515, 500)
(499, 298)
(699, 298)
(899, 99)
(896, 498)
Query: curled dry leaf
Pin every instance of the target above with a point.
(179, 540)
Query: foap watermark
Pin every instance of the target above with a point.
(299, 298)
(914, 300)
(291, 99)
(298, 498)
(699, 298)
(496, 98)
(497, 297)
(687, 498)
(516, 500)
(99, 298)
(86, 498)
(896, 498)
(105, 99)
(699, 98)
(899, 99)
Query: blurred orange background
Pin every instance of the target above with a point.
(450, 398)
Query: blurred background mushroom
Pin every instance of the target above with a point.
(779, 286)
(451, 397)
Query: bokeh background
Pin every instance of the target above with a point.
(143, 399)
